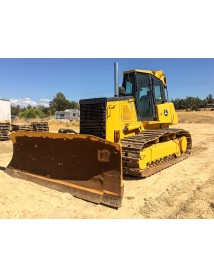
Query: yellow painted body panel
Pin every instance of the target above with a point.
(158, 73)
(166, 113)
(121, 117)
(159, 151)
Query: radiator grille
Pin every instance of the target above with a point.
(93, 119)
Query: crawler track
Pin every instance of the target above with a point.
(132, 147)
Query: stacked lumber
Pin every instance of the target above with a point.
(40, 126)
(4, 131)
(34, 126)
(21, 127)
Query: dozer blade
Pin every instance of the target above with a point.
(88, 167)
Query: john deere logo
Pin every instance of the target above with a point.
(165, 112)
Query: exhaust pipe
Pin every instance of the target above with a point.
(116, 80)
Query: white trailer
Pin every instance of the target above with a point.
(68, 115)
(5, 110)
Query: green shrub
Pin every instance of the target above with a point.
(32, 113)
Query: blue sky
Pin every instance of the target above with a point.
(36, 81)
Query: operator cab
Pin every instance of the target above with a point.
(149, 88)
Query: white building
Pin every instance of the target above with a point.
(68, 115)
(5, 110)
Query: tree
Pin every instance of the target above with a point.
(32, 113)
(209, 99)
(15, 110)
(28, 106)
(189, 103)
(179, 103)
(59, 103)
(45, 110)
(193, 103)
(74, 105)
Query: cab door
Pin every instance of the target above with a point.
(144, 98)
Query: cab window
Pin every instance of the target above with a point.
(128, 84)
(129, 87)
(158, 90)
(143, 96)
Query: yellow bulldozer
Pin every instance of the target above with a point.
(127, 134)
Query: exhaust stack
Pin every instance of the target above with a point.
(116, 80)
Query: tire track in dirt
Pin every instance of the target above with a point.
(201, 204)
(178, 203)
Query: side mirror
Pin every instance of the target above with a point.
(122, 91)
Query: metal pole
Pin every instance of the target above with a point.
(116, 80)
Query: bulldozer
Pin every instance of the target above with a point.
(127, 134)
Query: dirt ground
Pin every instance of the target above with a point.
(185, 190)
